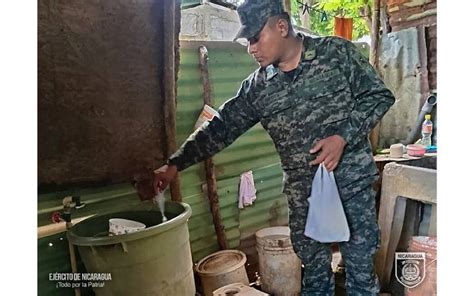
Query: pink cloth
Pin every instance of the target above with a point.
(247, 192)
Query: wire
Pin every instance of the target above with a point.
(324, 14)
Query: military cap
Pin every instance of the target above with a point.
(254, 14)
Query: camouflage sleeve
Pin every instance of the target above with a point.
(373, 99)
(236, 116)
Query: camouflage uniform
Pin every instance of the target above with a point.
(334, 91)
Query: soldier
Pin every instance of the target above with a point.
(318, 98)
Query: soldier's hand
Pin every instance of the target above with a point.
(331, 151)
(163, 176)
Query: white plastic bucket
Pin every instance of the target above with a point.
(280, 268)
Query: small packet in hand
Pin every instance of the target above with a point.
(326, 220)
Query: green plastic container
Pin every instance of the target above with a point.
(153, 261)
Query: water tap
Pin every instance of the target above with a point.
(69, 203)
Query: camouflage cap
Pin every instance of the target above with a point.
(254, 14)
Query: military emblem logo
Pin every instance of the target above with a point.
(410, 268)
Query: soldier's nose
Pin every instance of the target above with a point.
(252, 49)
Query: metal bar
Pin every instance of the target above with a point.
(209, 164)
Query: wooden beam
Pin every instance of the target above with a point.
(373, 59)
(287, 6)
(374, 32)
(171, 21)
(209, 164)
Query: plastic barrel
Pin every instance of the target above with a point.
(280, 268)
(427, 245)
(222, 268)
(153, 261)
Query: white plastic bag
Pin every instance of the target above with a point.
(326, 221)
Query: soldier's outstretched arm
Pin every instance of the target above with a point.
(236, 116)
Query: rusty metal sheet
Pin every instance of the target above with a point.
(399, 66)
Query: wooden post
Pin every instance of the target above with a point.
(209, 164)
(171, 21)
(287, 6)
(374, 31)
(373, 59)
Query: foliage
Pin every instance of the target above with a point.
(357, 9)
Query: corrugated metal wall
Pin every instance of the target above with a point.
(229, 64)
(399, 65)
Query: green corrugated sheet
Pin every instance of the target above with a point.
(229, 64)
(189, 3)
(97, 200)
(53, 256)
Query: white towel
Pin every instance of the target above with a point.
(247, 192)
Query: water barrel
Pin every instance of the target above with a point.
(222, 268)
(280, 268)
(427, 245)
(153, 261)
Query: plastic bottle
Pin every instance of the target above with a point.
(426, 131)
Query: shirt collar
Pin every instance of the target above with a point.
(308, 54)
(309, 50)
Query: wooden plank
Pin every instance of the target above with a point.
(373, 59)
(170, 64)
(433, 221)
(209, 164)
(396, 231)
(411, 224)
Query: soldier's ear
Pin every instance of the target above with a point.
(282, 26)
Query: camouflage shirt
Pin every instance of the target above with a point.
(334, 91)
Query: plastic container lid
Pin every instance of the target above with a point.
(427, 116)
(277, 237)
(221, 262)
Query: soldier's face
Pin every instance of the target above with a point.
(265, 47)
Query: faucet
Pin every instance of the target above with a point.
(69, 203)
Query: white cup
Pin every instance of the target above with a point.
(396, 150)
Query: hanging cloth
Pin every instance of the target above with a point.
(247, 191)
(343, 27)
